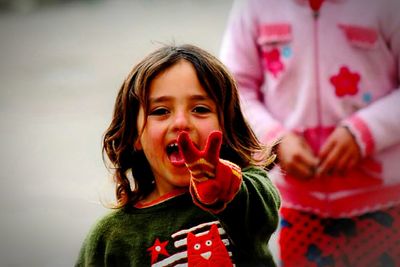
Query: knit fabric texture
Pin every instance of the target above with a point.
(177, 231)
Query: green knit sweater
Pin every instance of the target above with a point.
(177, 232)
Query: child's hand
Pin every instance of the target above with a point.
(212, 180)
(339, 153)
(296, 157)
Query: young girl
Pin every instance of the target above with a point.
(324, 77)
(189, 190)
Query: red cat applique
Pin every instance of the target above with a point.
(207, 250)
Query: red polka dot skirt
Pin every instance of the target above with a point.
(372, 239)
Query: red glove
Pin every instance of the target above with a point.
(214, 182)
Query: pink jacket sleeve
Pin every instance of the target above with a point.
(377, 126)
(239, 51)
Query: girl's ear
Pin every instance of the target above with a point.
(138, 145)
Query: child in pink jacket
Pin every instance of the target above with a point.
(322, 77)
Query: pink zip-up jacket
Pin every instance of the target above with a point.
(308, 72)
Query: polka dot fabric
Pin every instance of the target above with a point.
(371, 240)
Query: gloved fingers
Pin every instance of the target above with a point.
(213, 146)
(188, 149)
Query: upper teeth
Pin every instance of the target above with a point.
(172, 147)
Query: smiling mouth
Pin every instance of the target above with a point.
(175, 155)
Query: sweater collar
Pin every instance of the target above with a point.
(163, 198)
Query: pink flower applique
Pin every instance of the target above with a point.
(346, 82)
(273, 61)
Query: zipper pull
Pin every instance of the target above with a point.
(315, 6)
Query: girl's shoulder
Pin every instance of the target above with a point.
(257, 177)
(253, 170)
(111, 226)
(119, 218)
(106, 234)
(108, 221)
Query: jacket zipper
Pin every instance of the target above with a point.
(316, 14)
(317, 80)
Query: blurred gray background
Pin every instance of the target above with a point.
(61, 64)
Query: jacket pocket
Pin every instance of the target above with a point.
(273, 41)
(360, 36)
(276, 33)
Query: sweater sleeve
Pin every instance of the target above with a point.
(93, 249)
(377, 126)
(252, 216)
(240, 53)
(98, 248)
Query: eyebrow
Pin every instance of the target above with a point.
(155, 100)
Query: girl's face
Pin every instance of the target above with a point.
(177, 102)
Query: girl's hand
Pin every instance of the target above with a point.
(214, 182)
(339, 153)
(296, 157)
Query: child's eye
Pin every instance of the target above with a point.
(201, 110)
(159, 112)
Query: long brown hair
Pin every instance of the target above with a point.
(239, 144)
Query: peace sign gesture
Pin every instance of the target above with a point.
(214, 182)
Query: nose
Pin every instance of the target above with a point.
(181, 121)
